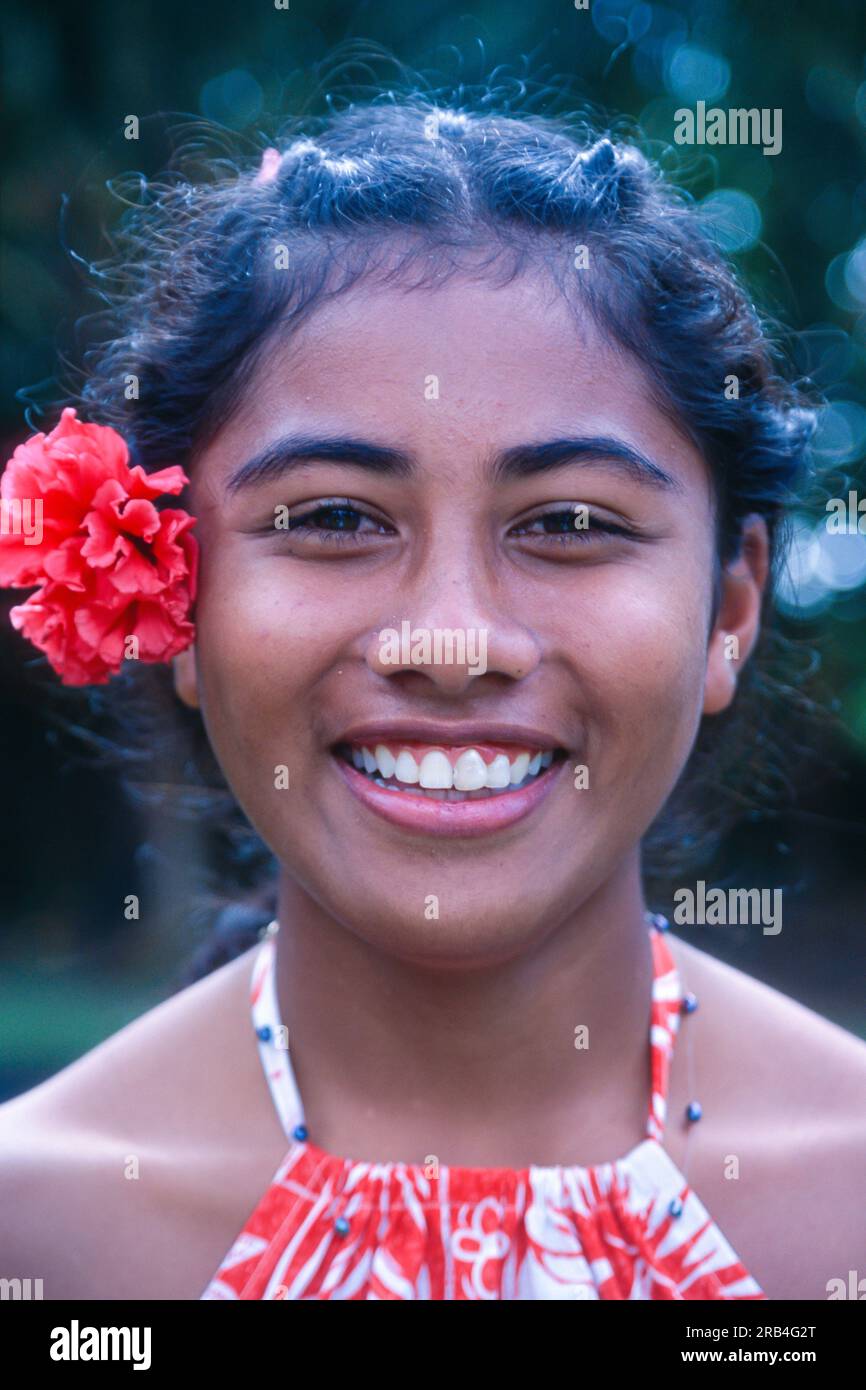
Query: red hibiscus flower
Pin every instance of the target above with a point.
(116, 576)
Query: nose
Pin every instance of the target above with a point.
(454, 624)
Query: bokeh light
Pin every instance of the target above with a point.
(819, 565)
(841, 433)
(234, 99)
(732, 218)
(695, 74)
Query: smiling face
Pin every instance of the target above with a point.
(586, 572)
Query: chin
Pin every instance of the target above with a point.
(458, 939)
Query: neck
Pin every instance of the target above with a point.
(396, 1061)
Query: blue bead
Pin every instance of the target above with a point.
(300, 1132)
(690, 1003)
(660, 922)
(341, 1226)
(693, 1110)
(264, 1033)
(676, 1207)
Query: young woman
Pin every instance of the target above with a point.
(433, 372)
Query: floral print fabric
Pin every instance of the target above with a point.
(330, 1227)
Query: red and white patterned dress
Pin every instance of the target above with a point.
(329, 1227)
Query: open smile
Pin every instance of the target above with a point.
(448, 789)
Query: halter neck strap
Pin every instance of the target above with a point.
(273, 1037)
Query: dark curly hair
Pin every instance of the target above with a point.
(410, 188)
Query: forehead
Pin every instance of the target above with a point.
(464, 360)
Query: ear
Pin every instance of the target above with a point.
(738, 621)
(186, 677)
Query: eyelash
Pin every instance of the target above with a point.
(575, 533)
(298, 526)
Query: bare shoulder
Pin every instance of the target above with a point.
(806, 1056)
(779, 1156)
(114, 1171)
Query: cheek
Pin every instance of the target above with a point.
(258, 646)
(635, 639)
(268, 642)
(268, 603)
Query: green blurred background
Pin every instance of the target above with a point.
(73, 968)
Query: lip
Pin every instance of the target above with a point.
(457, 819)
(420, 731)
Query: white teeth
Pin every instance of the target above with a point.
(470, 771)
(385, 760)
(498, 774)
(436, 772)
(406, 768)
(437, 775)
(519, 768)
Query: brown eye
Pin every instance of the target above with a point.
(333, 517)
(337, 521)
(569, 524)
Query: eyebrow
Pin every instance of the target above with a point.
(520, 461)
